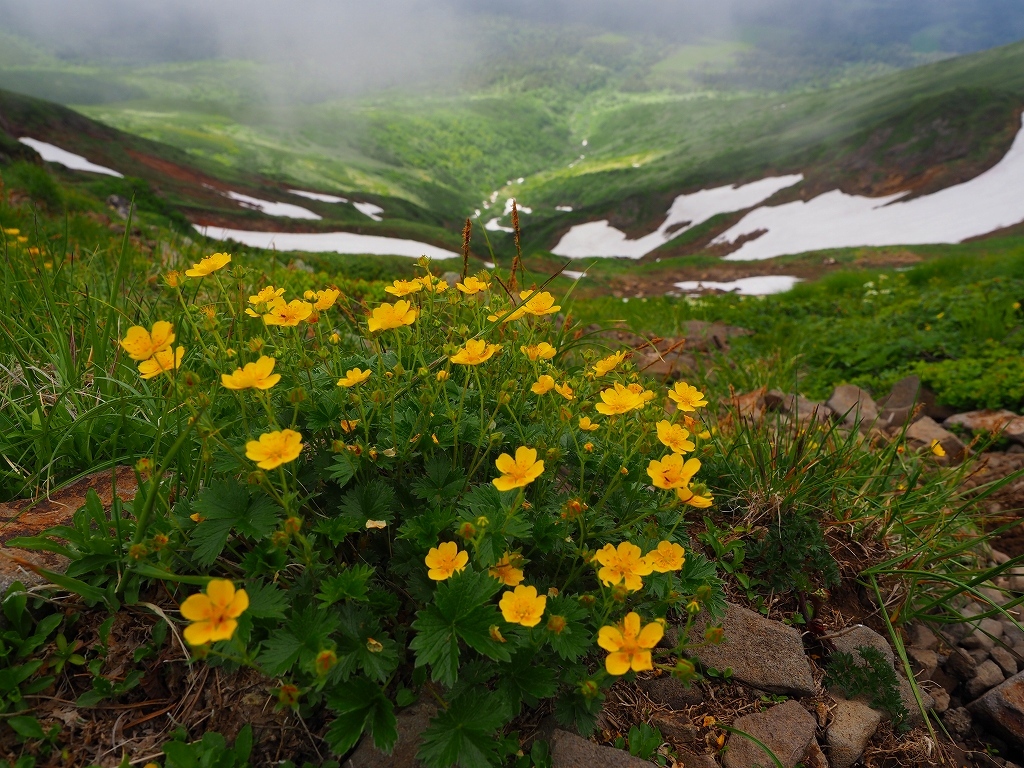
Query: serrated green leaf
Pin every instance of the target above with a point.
(229, 506)
(343, 469)
(350, 584)
(435, 644)
(372, 500)
(526, 679)
(441, 482)
(280, 653)
(266, 600)
(463, 735)
(361, 704)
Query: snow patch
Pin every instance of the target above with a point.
(328, 242)
(318, 196)
(599, 238)
(761, 285)
(564, 208)
(988, 202)
(369, 209)
(270, 208)
(54, 154)
(494, 225)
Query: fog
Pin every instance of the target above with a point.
(356, 46)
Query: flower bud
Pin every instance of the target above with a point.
(280, 539)
(144, 467)
(374, 646)
(160, 541)
(556, 624)
(496, 635)
(588, 447)
(137, 551)
(325, 660)
(587, 600)
(467, 531)
(714, 635)
(589, 689)
(256, 344)
(297, 395)
(693, 607)
(338, 446)
(619, 593)
(442, 376)
(684, 670)
(703, 594)
(288, 695)
(292, 525)
(256, 477)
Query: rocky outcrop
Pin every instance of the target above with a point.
(571, 751)
(851, 728)
(787, 730)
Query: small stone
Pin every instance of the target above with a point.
(922, 637)
(571, 751)
(853, 724)
(1000, 557)
(786, 729)
(689, 759)
(860, 636)
(1005, 660)
(987, 675)
(853, 405)
(979, 654)
(814, 758)
(1003, 708)
(750, 639)
(1012, 634)
(982, 421)
(925, 432)
(899, 405)
(910, 701)
(671, 692)
(957, 721)
(924, 661)
(412, 721)
(677, 729)
(961, 665)
(941, 697)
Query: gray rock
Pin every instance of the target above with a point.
(925, 431)
(688, 759)
(1003, 708)
(899, 405)
(910, 701)
(853, 724)
(854, 406)
(750, 640)
(958, 721)
(1012, 634)
(676, 728)
(671, 692)
(796, 406)
(786, 729)
(961, 664)
(922, 637)
(412, 721)
(941, 698)
(979, 654)
(1005, 660)
(982, 421)
(858, 637)
(987, 675)
(571, 751)
(814, 758)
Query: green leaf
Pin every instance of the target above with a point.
(280, 652)
(441, 482)
(527, 680)
(27, 727)
(350, 584)
(372, 500)
(266, 601)
(343, 469)
(461, 610)
(463, 735)
(229, 506)
(360, 705)
(243, 743)
(180, 755)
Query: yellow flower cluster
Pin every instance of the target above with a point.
(627, 564)
(153, 349)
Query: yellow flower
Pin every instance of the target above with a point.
(542, 351)
(674, 437)
(619, 399)
(505, 572)
(274, 448)
(173, 278)
(404, 287)
(543, 385)
(290, 314)
(687, 397)
(629, 646)
(441, 286)
(209, 265)
(348, 425)
(696, 496)
(12, 232)
(442, 376)
(267, 295)
(444, 560)
(588, 447)
(669, 556)
(475, 352)
(472, 285)
(163, 361)
(624, 563)
(523, 606)
(533, 304)
(324, 299)
(646, 394)
(517, 472)
(601, 367)
(214, 615)
(937, 448)
(258, 375)
(141, 344)
(388, 316)
(672, 472)
(587, 425)
(353, 377)
(565, 391)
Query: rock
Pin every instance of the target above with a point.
(860, 636)
(961, 665)
(982, 421)
(29, 518)
(412, 721)
(941, 698)
(452, 278)
(910, 701)
(786, 729)
(750, 639)
(979, 654)
(925, 431)
(984, 635)
(797, 406)
(814, 758)
(924, 661)
(1003, 708)
(853, 724)
(853, 405)
(987, 675)
(899, 405)
(676, 728)
(1005, 660)
(571, 751)
(922, 637)
(957, 721)
(688, 759)
(1012, 634)
(671, 692)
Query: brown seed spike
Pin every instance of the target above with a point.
(517, 263)
(467, 232)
